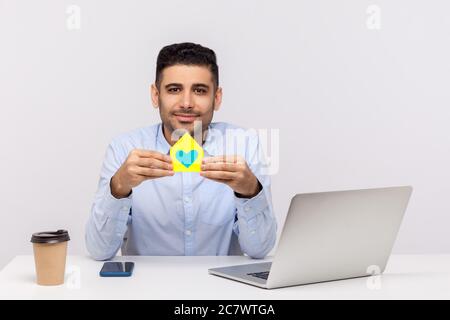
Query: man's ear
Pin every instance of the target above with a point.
(218, 99)
(154, 93)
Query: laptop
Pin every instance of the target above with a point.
(330, 236)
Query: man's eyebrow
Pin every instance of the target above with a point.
(200, 85)
(173, 85)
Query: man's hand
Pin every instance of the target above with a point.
(233, 171)
(140, 165)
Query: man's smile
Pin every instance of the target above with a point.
(185, 117)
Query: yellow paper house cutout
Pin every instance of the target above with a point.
(186, 154)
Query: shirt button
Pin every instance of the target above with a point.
(187, 199)
(124, 208)
(188, 232)
(246, 209)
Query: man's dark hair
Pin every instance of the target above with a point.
(186, 53)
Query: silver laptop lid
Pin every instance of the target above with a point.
(338, 235)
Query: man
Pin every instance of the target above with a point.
(145, 208)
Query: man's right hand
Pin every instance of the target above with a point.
(140, 165)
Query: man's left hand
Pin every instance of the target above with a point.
(233, 171)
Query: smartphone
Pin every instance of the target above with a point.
(117, 269)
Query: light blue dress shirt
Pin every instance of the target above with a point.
(184, 214)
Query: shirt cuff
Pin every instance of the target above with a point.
(249, 208)
(116, 209)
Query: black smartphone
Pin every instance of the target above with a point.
(117, 269)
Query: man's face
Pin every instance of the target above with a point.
(186, 94)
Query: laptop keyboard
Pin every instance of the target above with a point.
(262, 275)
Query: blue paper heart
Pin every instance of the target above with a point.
(187, 158)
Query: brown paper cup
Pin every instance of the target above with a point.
(50, 251)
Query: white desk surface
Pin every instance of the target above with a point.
(406, 277)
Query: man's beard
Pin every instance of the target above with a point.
(198, 130)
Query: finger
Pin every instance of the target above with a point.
(222, 175)
(153, 173)
(154, 163)
(223, 158)
(152, 154)
(220, 166)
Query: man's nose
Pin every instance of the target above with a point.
(187, 100)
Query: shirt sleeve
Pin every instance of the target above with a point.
(256, 224)
(108, 219)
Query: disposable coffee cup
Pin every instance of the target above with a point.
(50, 251)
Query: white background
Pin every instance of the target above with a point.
(356, 108)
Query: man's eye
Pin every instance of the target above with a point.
(200, 91)
(173, 90)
